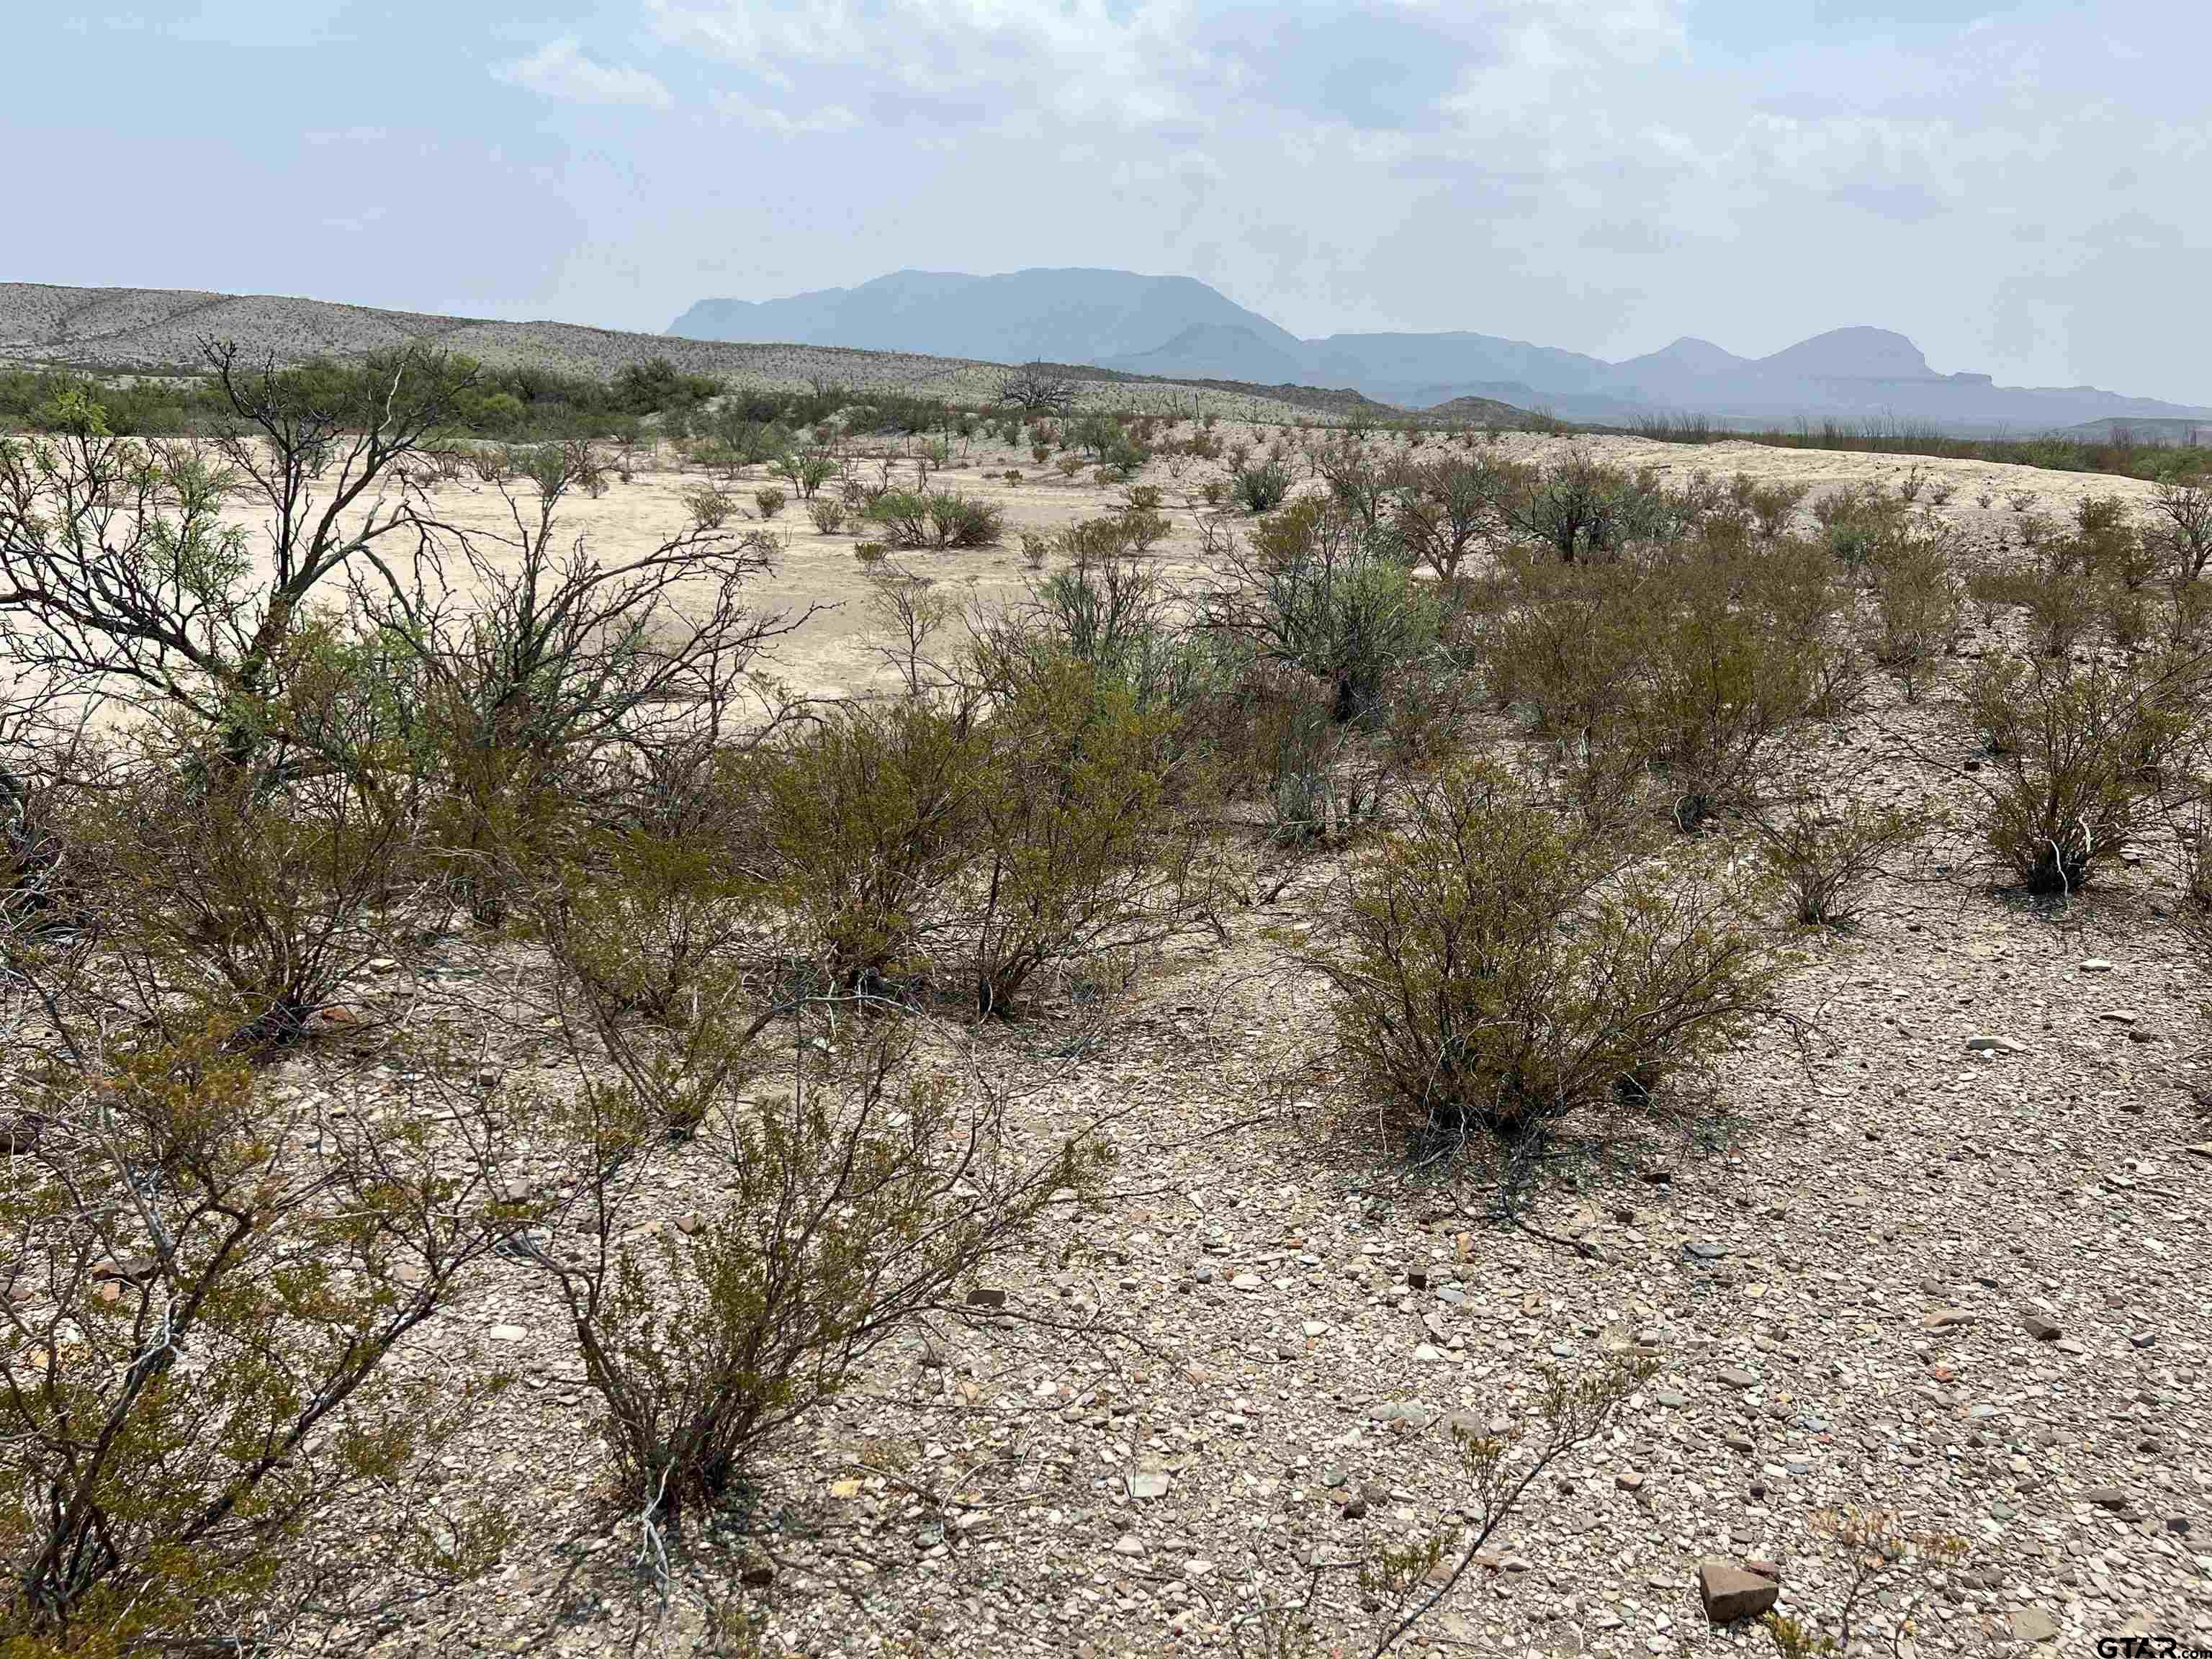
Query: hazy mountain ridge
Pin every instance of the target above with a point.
(1100, 317)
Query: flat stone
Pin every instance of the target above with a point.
(508, 1334)
(1706, 1250)
(2033, 1624)
(1995, 1045)
(1248, 1282)
(1332, 1478)
(2038, 1327)
(2096, 965)
(1944, 1319)
(1731, 1591)
(1630, 1481)
(1128, 1544)
(1146, 1483)
(2106, 1498)
(1740, 1443)
(1736, 1377)
(982, 1296)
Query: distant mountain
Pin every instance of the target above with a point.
(1219, 351)
(1179, 328)
(1074, 316)
(1852, 354)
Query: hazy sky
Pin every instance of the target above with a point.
(2022, 188)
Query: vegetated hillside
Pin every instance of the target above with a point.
(158, 330)
(2183, 431)
(1180, 329)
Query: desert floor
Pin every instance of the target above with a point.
(1251, 1359)
(829, 656)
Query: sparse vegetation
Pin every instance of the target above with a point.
(488, 1068)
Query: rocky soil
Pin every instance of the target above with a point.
(1941, 1248)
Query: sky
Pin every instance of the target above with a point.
(2021, 188)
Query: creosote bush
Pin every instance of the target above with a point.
(1497, 971)
(936, 519)
(208, 1451)
(1823, 852)
(2078, 749)
(863, 1185)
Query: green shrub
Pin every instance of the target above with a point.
(860, 1190)
(2078, 748)
(828, 512)
(1260, 489)
(1087, 852)
(769, 501)
(937, 519)
(868, 817)
(1315, 592)
(1583, 509)
(1857, 519)
(1497, 973)
(805, 471)
(207, 1283)
(1824, 850)
(1919, 608)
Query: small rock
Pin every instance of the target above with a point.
(1128, 1544)
(2033, 1624)
(1630, 1481)
(508, 1334)
(1739, 1442)
(2141, 1340)
(1146, 1483)
(1995, 1045)
(1706, 1250)
(1731, 1591)
(2096, 965)
(1248, 1282)
(1735, 1378)
(2106, 1498)
(759, 1576)
(1944, 1319)
(1197, 1568)
(2040, 1327)
(983, 1297)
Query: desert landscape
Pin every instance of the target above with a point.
(1105, 830)
(1874, 1315)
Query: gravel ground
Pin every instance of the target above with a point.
(1895, 1268)
(1893, 1271)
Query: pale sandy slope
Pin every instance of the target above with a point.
(830, 656)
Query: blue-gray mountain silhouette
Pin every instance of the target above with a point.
(1179, 328)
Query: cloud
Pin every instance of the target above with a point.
(559, 69)
(764, 117)
(1601, 174)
